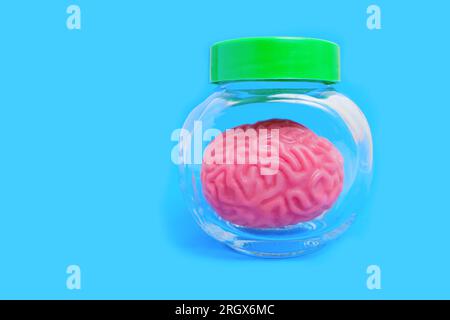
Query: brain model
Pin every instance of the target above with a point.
(305, 177)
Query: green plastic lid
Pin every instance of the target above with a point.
(275, 58)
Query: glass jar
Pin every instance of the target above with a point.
(276, 162)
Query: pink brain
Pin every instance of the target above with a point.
(307, 181)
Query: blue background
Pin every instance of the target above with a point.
(86, 176)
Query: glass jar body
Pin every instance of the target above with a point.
(317, 106)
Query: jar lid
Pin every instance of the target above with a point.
(275, 58)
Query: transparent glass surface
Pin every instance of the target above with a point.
(315, 105)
